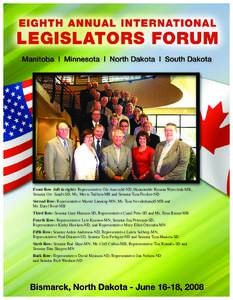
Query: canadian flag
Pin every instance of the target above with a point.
(215, 134)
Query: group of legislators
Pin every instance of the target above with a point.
(117, 143)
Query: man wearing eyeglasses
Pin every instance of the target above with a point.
(171, 157)
(128, 140)
(58, 155)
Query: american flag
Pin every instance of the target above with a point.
(17, 135)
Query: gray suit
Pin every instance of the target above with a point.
(110, 164)
(175, 162)
(130, 142)
(58, 160)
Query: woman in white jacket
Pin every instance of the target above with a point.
(85, 158)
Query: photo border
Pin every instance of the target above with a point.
(196, 181)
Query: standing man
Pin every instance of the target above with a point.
(94, 118)
(91, 99)
(98, 144)
(117, 162)
(118, 111)
(103, 93)
(171, 157)
(58, 155)
(104, 109)
(112, 104)
(128, 140)
(85, 97)
(154, 139)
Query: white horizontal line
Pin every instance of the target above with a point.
(14, 176)
(17, 141)
(17, 158)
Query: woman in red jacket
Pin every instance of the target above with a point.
(142, 158)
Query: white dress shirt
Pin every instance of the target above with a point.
(165, 150)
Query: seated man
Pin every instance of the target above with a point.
(117, 162)
(58, 155)
(171, 157)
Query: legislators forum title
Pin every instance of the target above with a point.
(137, 31)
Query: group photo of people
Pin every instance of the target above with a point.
(116, 140)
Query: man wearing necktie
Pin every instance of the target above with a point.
(171, 157)
(117, 162)
(58, 155)
(96, 118)
(98, 144)
(128, 140)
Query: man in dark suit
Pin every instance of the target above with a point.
(103, 93)
(95, 85)
(117, 162)
(58, 155)
(99, 143)
(91, 99)
(171, 157)
(154, 139)
(85, 97)
(94, 118)
(112, 104)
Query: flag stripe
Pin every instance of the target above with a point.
(29, 104)
(17, 146)
(17, 166)
(18, 149)
(17, 158)
(27, 90)
(15, 184)
(28, 97)
(16, 142)
(15, 176)
(27, 83)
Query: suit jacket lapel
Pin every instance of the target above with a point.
(172, 149)
(122, 153)
(61, 147)
(114, 155)
(160, 149)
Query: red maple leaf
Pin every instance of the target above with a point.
(212, 135)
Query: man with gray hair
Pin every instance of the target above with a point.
(117, 162)
(171, 157)
(154, 139)
(104, 109)
(58, 154)
(118, 111)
